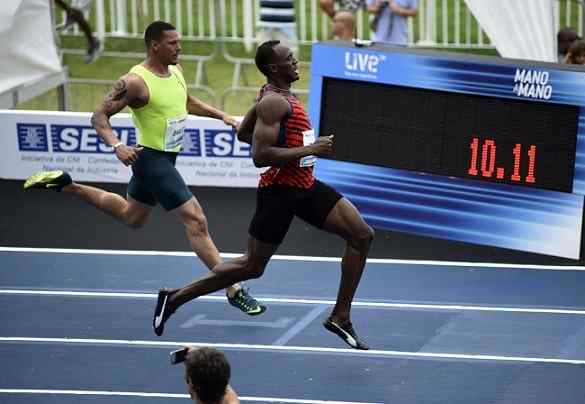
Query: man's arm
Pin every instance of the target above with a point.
(197, 107)
(375, 6)
(246, 129)
(405, 12)
(124, 93)
(270, 111)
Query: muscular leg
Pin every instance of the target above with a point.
(345, 220)
(249, 266)
(192, 216)
(130, 212)
(77, 16)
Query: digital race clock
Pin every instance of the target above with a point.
(478, 149)
(459, 135)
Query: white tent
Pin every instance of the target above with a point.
(519, 29)
(30, 63)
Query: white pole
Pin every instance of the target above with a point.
(248, 25)
(430, 37)
(121, 17)
(100, 20)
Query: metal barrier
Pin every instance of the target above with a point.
(439, 24)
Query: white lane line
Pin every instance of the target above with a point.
(300, 325)
(168, 395)
(297, 349)
(201, 319)
(383, 305)
(475, 265)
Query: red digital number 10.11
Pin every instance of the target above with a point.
(487, 165)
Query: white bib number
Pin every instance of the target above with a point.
(308, 139)
(175, 132)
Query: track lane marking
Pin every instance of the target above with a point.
(295, 349)
(327, 302)
(168, 395)
(476, 265)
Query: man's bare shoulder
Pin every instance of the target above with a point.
(136, 88)
(133, 81)
(272, 107)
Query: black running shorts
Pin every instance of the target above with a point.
(276, 205)
(155, 179)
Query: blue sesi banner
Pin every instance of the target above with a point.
(38, 140)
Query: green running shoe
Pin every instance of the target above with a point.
(54, 180)
(243, 301)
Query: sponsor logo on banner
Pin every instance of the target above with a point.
(84, 139)
(363, 64)
(67, 138)
(221, 143)
(215, 143)
(532, 84)
(192, 143)
(32, 137)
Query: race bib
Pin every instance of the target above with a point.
(308, 139)
(175, 132)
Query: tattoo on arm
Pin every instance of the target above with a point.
(116, 100)
(113, 103)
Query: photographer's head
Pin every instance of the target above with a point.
(207, 373)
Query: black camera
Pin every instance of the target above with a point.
(179, 356)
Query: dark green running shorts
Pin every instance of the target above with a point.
(155, 179)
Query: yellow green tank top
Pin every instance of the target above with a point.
(161, 122)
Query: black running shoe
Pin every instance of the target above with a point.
(346, 333)
(54, 180)
(161, 312)
(243, 301)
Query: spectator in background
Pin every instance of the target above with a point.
(344, 18)
(207, 374)
(390, 23)
(565, 37)
(75, 15)
(277, 22)
(576, 53)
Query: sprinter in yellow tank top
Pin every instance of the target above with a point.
(156, 93)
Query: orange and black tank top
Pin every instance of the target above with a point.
(292, 126)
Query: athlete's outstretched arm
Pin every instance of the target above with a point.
(270, 111)
(126, 92)
(197, 107)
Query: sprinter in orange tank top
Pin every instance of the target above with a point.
(282, 139)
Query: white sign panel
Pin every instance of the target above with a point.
(40, 140)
